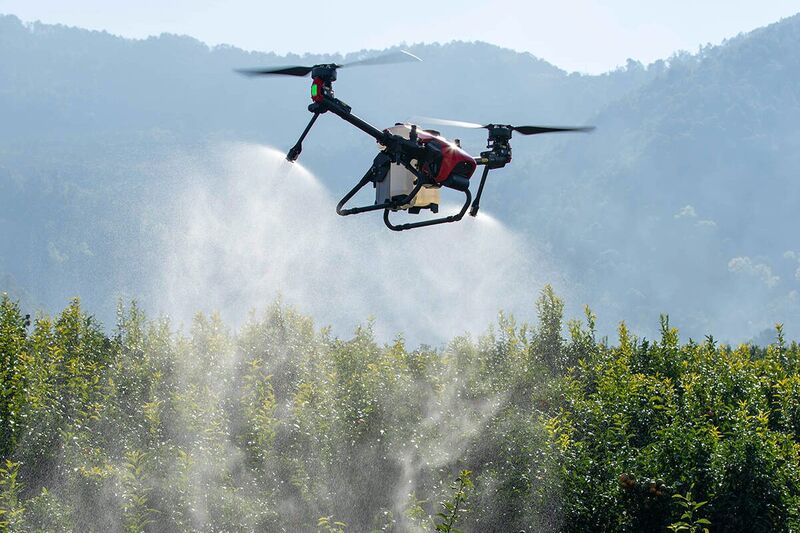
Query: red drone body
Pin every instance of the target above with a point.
(455, 162)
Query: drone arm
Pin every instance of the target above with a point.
(343, 111)
(402, 150)
(294, 153)
(476, 204)
(498, 156)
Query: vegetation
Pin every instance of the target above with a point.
(452, 508)
(281, 426)
(689, 522)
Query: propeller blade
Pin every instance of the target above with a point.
(534, 130)
(285, 71)
(524, 130)
(401, 56)
(445, 122)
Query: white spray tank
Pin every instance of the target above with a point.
(400, 181)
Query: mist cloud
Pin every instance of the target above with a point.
(762, 271)
(250, 227)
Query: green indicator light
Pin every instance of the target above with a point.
(314, 90)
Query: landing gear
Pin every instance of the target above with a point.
(377, 174)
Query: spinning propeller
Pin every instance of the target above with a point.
(498, 154)
(524, 130)
(401, 56)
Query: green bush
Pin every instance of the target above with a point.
(280, 423)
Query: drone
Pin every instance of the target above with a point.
(413, 164)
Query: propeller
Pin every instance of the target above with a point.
(524, 130)
(400, 56)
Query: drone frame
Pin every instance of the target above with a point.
(402, 151)
(397, 150)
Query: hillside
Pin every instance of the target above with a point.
(688, 199)
(66, 79)
(683, 201)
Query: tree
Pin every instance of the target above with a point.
(13, 339)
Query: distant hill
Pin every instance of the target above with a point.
(63, 79)
(688, 198)
(684, 200)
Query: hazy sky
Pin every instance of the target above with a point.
(584, 35)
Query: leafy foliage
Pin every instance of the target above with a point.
(282, 427)
(644, 420)
(688, 521)
(454, 508)
(10, 509)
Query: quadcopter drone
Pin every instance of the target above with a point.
(414, 163)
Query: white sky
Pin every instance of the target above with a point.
(584, 35)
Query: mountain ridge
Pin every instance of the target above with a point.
(693, 156)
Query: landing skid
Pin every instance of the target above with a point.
(431, 222)
(377, 173)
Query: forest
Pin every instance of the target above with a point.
(279, 425)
